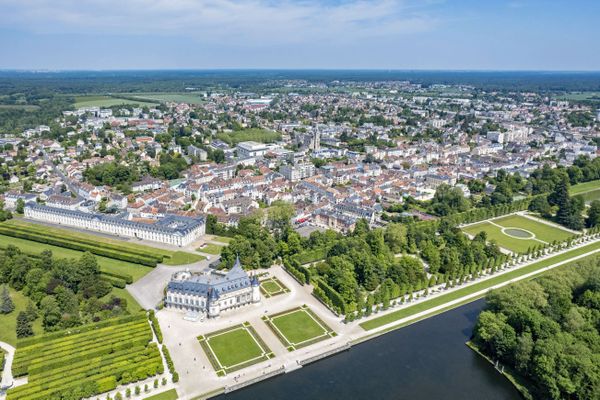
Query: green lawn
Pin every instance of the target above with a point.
(494, 233)
(106, 264)
(251, 134)
(190, 98)
(298, 328)
(182, 258)
(168, 395)
(132, 304)
(8, 322)
(272, 287)
(106, 101)
(440, 300)
(542, 231)
(584, 187)
(222, 239)
(210, 248)
(234, 348)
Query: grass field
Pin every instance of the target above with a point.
(8, 322)
(234, 348)
(211, 248)
(272, 287)
(590, 191)
(106, 264)
(536, 232)
(190, 98)
(168, 395)
(222, 239)
(252, 134)
(171, 257)
(457, 294)
(106, 101)
(299, 327)
(182, 258)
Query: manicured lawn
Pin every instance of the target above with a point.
(106, 264)
(440, 300)
(542, 231)
(8, 322)
(222, 239)
(132, 304)
(250, 134)
(182, 258)
(106, 101)
(234, 348)
(494, 233)
(210, 248)
(298, 327)
(584, 187)
(168, 395)
(272, 287)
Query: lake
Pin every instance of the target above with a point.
(427, 360)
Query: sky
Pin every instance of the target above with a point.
(302, 34)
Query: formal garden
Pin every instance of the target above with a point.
(86, 360)
(234, 348)
(299, 327)
(518, 233)
(272, 286)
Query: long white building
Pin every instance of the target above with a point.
(172, 229)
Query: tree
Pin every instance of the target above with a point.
(395, 237)
(6, 304)
(24, 328)
(20, 206)
(569, 211)
(593, 217)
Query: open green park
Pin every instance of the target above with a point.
(299, 327)
(250, 134)
(8, 322)
(234, 348)
(210, 248)
(474, 288)
(518, 233)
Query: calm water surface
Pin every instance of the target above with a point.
(427, 360)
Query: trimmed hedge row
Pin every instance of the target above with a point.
(96, 248)
(156, 326)
(330, 293)
(116, 282)
(65, 235)
(31, 341)
(127, 278)
(170, 364)
(301, 274)
(93, 360)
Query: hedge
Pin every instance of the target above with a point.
(156, 326)
(299, 276)
(116, 282)
(336, 299)
(97, 248)
(168, 359)
(127, 278)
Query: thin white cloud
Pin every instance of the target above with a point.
(244, 22)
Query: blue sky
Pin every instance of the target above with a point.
(349, 34)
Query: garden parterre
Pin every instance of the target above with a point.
(298, 327)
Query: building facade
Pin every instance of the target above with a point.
(173, 230)
(212, 292)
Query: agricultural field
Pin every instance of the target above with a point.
(299, 327)
(186, 97)
(8, 322)
(86, 360)
(272, 287)
(252, 134)
(106, 101)
(590, 191)
(211, 248)
(234, 348)
(518, 233)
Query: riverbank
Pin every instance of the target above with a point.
(520, 383)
